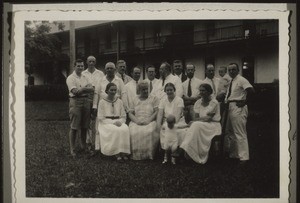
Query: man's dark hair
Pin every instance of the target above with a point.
(78, 61)
(235, 65)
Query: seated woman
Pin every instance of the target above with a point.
(144, 137)
(114, 133)
(206, 125)
(171, 105)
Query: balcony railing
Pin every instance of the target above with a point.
(194, 38)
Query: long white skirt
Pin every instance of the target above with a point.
(197, 141)
(113, 139)
(144, 140)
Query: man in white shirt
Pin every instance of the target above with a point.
(121, 71)
(211, 79)
(79, 87)
(178, 70)
(167, 77)
(131, 88)
(236, 142)
(190, 91)
(153, 82)
(110, 76)
(95, 75)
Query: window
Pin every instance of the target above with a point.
(130, 37)
(108, 37)
(156, 33)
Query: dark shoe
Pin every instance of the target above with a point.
(243, 162)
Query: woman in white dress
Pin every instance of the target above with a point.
(171, 105)
(114, 133)
(206, 125)
(144, 137)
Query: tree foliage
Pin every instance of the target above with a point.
(40, 45)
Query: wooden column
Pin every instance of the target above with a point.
(72, 46)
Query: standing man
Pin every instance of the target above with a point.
(79, 87)
(99, 93)
(150, 71)
(191, 91)
(178, 70)
(166, 77)
(121, 68)
(223, 86)
(236, 142)
(94, 75)
(110, 70)
(211, 79)
(131, 87)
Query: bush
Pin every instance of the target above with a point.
(46, 93)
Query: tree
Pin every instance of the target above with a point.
(40, 45)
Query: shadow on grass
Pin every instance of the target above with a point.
(51, 172)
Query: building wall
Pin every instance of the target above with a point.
(267, 68)
(265, 61)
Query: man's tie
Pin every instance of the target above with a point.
(189, 92)
(122, 77)
(163, 81)
(151, 87)
(213, 86)
(137, 88)
(229, 90)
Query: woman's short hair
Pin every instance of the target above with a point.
(207, 87)
(171, 85)
(143, 83)
(109, 85)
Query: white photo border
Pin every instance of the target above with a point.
(22, 13)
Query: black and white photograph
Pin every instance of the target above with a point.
(158, 105)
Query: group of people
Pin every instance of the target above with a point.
(178, 113)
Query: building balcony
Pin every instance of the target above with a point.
(198, 37)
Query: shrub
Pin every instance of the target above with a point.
(46, 92)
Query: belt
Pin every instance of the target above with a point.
(112, 117)
(230, 101)
(82, 96)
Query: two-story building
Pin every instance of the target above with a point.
(253, 44)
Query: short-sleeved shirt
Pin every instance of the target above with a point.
(74, 81)
(195, 84)
(171, 107)
(101, 86)
(238, 89)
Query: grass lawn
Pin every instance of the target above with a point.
(51, 172)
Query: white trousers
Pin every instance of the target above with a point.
(236, 141)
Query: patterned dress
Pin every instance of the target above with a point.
(144, 138)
